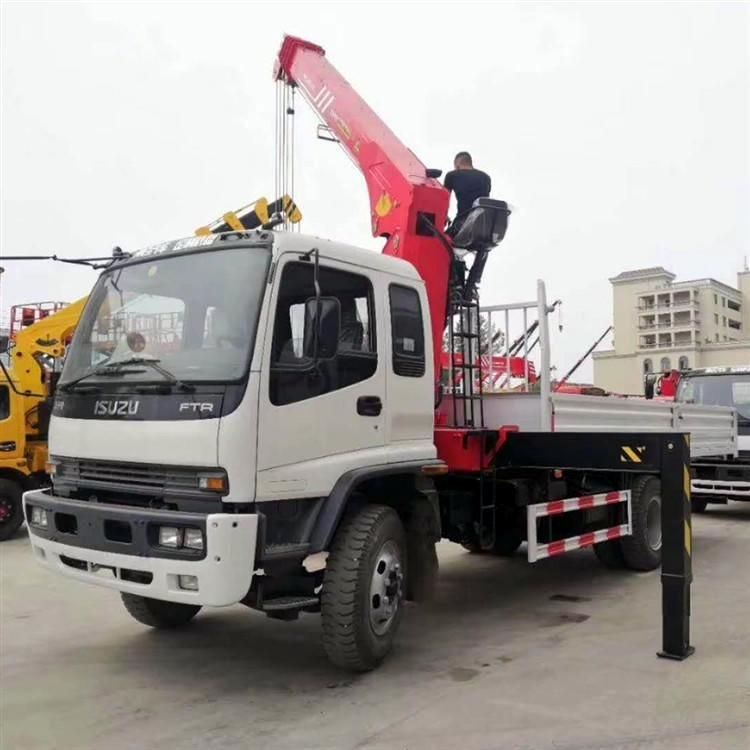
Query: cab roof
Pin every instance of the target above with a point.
(280, 242)
(730, 370)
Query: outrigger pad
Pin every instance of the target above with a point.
(484, 226)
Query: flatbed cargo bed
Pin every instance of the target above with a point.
(712, 428)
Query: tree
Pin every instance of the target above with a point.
(491, 339)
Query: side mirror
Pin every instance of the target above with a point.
(648, 386)
(322, 327)
(4, 342)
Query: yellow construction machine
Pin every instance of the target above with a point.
(27, 386)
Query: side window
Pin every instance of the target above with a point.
(4, 402)
(295, 377)
(407, 332)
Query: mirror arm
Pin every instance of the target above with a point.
(316, 282)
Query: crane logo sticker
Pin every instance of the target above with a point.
(322, 100)
(343, 127)
(384, 205)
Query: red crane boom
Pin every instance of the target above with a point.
(409, 207)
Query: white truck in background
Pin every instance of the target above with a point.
(722, 476)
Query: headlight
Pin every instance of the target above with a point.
(193, 538)
(189, 583)
(39, 516)
(170, 536)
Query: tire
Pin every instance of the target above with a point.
(507, 537)
(610, 554)
(642, 550)
(366, 567)
(11, 508)
(157, 613)
(504, 545)
(698, 505)
(507, 543)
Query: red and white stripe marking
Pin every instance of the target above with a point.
(541, 510)
(580, 503)
(579, 542)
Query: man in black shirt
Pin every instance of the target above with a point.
(468, 184)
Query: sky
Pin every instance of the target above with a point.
(617, 131)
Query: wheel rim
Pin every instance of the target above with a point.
(6, 510)
(653, 524)
(385, 587)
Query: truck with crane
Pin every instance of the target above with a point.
(289, 444)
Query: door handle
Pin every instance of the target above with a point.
(369, 406)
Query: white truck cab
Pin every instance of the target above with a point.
(720, 478)
(221, 398)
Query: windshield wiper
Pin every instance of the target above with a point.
(154, 364)
(102, 370)
(119, 368)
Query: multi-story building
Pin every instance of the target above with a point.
(661, 324)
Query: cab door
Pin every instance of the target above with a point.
(320, 419)
(12, 425)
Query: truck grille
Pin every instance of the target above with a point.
(146, 479)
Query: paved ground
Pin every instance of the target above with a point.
(558, 655)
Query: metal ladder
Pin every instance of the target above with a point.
(464, 342)
(466, 363)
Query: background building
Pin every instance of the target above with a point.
(660, 324)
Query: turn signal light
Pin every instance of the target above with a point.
(212, 483)
(434, 470)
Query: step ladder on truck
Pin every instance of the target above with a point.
(298, 453)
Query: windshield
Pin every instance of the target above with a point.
(718, 390)
(196, 314)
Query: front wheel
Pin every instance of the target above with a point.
(157, 613)
(698, 505)
(11, 508)
(363, 588)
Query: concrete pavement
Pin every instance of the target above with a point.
(510, 657)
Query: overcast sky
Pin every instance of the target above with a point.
(619, 131)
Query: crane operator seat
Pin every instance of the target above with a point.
(484, 226)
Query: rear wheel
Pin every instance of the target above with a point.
(507, 538)
(11, 508)
(642, 550)
(698, 505)
(363, 588)
(610, 554)
(157, 613)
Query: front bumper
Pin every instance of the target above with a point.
(734, 489)
(224, 570)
